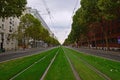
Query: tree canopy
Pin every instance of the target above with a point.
(90, 16)
(31, 28)
(12, 7)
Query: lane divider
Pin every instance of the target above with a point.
(28, 67)
(44, 74)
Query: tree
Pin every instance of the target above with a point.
(91, 15)
(109, 10)
(10, 8)
(31, 29)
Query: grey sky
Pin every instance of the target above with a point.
(61, 15)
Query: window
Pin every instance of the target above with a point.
(10, 29)
(2, 26)
(10, 19)
(10, 22)
(3, 20)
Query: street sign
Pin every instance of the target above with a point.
(119, 40)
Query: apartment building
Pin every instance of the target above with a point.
(7, 27)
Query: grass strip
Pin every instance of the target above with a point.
(43, 76)
(72, 67)
(84, 71)
(37, 70)
(60, 69)
(108, 67)
(10, 68)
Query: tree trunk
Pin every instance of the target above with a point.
(106, 41)
(88, 43)
(95, 41)
(105, 34)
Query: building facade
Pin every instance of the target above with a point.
(7, 27)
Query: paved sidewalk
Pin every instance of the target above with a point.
(107, 54)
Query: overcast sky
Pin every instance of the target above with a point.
(60, 18)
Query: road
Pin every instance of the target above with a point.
(15, 54)
(107, 54)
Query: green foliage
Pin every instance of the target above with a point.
(90, 13)
(11, 7)
(31, 28)
(51, 41)
(109, 8)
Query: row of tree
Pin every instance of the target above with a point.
(30, 28)
(92, 14)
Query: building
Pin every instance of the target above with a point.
(7, 27)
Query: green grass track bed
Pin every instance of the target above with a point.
(11, 68)
(84, 64)
(36, 71)
(84, 71)
(107, 67)
(60, 69)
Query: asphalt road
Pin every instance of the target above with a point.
(16, 54)
(106, 54)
